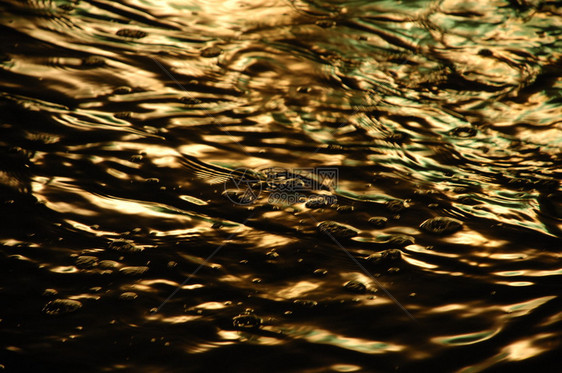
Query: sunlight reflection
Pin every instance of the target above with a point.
(355, 344)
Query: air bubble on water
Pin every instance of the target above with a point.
(397, 137)
(211, 52)
(122, 90)
(67, 7)
(316, 203)
(463, 132)
(130, 33)
(134, 270)
(355, 286)
(386, 257)
(126, 246)
(305, 303)
(485, 52)
(128, 296)
(61, 306)
(108, 264)
(93, 61)
(337, 230)
(325, 23)
(378, 221)
(272, 254)
(125, 115)
(86, 262)
(50, 292)
(241, 197)
(345, 209)
(396, 205)
(320, 272)
(400, 240)
(136, 158)
(190, 101)
(246, 321)
(441, 225)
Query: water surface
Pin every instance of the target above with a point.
(126, 244)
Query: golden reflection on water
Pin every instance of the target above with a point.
(466, 339)
(298, 290)
(516, 351)
(349, 343)
(450, 108)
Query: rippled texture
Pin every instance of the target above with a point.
(121, 122)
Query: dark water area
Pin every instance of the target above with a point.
(280, 186)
